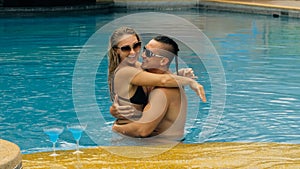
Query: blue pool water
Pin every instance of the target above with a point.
(259, 54)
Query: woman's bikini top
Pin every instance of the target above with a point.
(139, 97)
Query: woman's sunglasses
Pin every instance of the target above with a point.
(128, 48)
(149, 53)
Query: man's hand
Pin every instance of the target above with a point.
(124, 112)
(187, 72)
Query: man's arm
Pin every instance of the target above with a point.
(152, 115)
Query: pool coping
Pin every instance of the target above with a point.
(200, 155)
(216, 5)
(10, 155)
(251, 8)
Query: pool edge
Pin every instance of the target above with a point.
(250, 8)
(11, 155)
(200, 155)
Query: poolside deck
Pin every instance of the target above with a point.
(10, 155)
(277, 8)
(206, 155)
(289, 4)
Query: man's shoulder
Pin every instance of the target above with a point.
(168, 91)
(167, 88)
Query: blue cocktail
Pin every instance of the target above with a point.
(53, 132)
(76, 130)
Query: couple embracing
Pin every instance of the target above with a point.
(149, 100)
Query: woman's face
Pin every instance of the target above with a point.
(128, 49)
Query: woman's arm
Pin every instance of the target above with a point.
(144, 78)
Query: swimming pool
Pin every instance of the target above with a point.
(258, 53)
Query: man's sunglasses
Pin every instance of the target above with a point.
(128, 48)
(149, 53)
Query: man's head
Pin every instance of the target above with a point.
(159, 53)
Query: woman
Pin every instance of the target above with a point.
(126, 78)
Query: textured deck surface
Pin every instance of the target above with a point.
(207, 155)
(10, 156)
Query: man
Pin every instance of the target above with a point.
(165, 113)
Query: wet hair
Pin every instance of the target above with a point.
(166, 40)
(173, 48)
(113, 57)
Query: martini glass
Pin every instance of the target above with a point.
(53, 132)
(76, 129)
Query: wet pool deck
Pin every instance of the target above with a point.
(206, 155)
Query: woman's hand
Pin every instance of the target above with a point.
(198, 88)
(124, 112)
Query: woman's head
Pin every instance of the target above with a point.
(124, 43)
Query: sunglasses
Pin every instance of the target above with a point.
(149, 53)
(128, 48)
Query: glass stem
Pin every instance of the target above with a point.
(53, 147)
(77, 145)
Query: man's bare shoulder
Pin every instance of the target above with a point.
(169, 92)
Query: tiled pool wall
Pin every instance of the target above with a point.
(27, 3)
(103, 6)
(157, 4)
(108, 5)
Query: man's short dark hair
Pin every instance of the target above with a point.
(174, 48)
(169, 41)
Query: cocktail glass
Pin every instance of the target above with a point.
(53, 132)
(76, 130)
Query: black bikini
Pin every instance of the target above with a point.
(139, 97)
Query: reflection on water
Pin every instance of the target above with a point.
(259, 55)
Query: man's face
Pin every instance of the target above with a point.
(153, 61)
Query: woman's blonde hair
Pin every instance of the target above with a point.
(114, 58)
